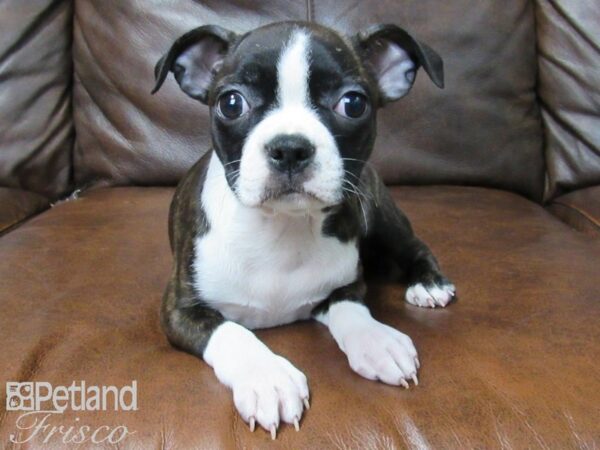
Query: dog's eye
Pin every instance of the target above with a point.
(352, 104)
(233, 105)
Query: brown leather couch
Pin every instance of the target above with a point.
(499, 173)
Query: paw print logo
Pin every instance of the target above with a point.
(19, 396)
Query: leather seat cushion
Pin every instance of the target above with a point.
(580, 209)
(513, 363)
(17, 205)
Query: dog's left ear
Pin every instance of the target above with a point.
(194, 59)
(394, 56)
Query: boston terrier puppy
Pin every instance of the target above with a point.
(277, 222)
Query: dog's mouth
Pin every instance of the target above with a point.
(291, 195)
(291, 200)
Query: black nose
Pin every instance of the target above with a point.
(290, 153)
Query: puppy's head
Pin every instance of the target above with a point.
(293, 104)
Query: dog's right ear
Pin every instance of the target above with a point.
(194, 59)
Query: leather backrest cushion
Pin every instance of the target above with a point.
(36, 129)
(125, 135)
(569, 65)
(483, 129)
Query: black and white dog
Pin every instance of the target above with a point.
(275, 223)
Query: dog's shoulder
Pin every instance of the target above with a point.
(186, 214)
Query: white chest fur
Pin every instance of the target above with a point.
(265, 270)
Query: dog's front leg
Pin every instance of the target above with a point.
(266, 387)
(390, 235)
(375, 351)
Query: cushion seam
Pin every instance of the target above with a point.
(580, 212)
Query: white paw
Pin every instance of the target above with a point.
(430, 296)
(269, 391)
(267, 388)
(379, 352)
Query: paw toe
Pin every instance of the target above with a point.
(430, 296)
(290, 404)
(267, 407)
(389, 372)
(441, 295)
(419, 296)
(244, 399)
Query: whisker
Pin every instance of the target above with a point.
(365, 195)
(356, 160)
(232, 162)
(359, 197)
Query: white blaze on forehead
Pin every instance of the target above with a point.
(293, 71)
(292, 114)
